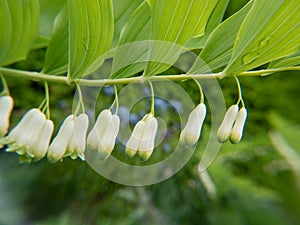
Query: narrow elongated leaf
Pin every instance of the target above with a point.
(270, 31)
(49, 11)
(91, 27)
(214, 20)
(56, 61)
(218, 49)
(175, 21)
(19, 28)
(123, 10)
(293, 60)
(138, 28)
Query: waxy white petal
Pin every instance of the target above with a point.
(98, 130)
(40, 147)
(225, 128)
(238, 127)
(59, 144)
(134, 140)
(6, 106)
(26, 132)
(107, 141)
(76, 146)
(21, 127)
(192, 130)
(146, 144)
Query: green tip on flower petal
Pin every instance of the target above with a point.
(144, 155)
(130, 152)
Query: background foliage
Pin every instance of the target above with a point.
(256, 181)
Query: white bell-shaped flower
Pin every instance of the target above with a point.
(40, 147)
(146, 144)
(238, 127)
(192, 130)
(76, 146)
(225, 128)
(108, 139)
(97, 131)
(142, 138)
(133, 142)
(6, 106)
(26, 132)
(20, 128)
(59, 144)
(103, 135)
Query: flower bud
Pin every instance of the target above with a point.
(191, 132)
(59, 144)
(238, 127)
(76, 146)
(225, 128)
(6, 106)
(134, 140)
(146, 144)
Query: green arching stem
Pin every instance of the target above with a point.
(101, 82)
(239, 91)
(80, 99)
(47, 99)
(5, 86)
(153, 98)
(42, 105)
(116, 101)
(201, 91)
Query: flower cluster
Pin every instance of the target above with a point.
(232, 126)
(31, 137)
(70, 139)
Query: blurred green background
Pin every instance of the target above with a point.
(254, 182)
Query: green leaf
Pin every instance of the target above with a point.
(138, 28)
(49, 11)
(218, 49)
(123, 10)
(19, 28)
(292, 60)
(270, 31)
(56, 61)
(175, 22)
(214, 20)
(91, 27)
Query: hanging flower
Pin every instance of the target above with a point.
(225, 128)
(133, 142)
(28, 135)
(191, 132)
(76, 146)
(146, 145)
(59, 144)
(40, 147)
(238, 127)
(103, 135)
(142, 138)
(6, 106)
